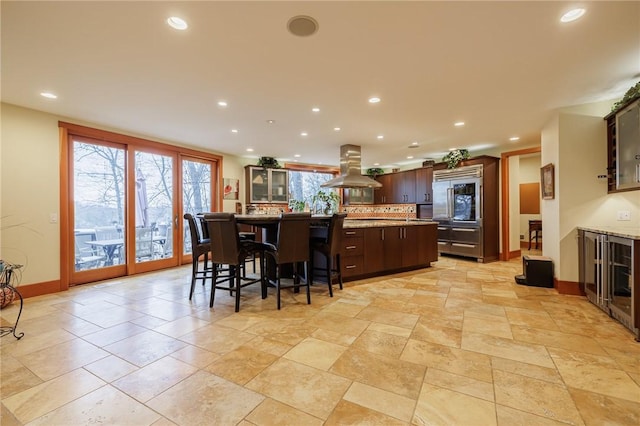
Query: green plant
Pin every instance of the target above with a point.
(632, 93)
(297, 205)
(374, 171)
(268, 163)
(328, 200)
(454, 157)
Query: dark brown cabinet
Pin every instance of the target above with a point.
(352, 252)
(391, 248)
(383, 195)
(406, 187)
(424, 180)
(403, 187)
(623, 149)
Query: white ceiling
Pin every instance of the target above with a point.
(501, 67)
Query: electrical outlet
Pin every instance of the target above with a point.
(53, 218)
(624, 215)
(522, 236)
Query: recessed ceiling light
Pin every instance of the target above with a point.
(376, 164)
(296, 155)
(459, 123)
(48, 95)
(234, 130)
(249, 149)
(572, 15)
(515, 138)
(304, 134)
(452, 149)
(374, 100)
(409, 157)
(177, 23)
(337, 129)
(414, 143)
(222, 103)
(315, 109)
(271, 121)
(380, 136)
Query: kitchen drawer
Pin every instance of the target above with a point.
(466, 235)
(444, 232)
(352, 265)
(464, 249)
(353, 246)
(350, 233)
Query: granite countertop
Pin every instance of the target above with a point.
(632, 232)
(378, 223)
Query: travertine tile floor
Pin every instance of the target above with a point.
(458, 343)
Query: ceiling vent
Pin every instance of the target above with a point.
(302, 26)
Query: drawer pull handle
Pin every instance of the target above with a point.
(350, 247)
(440, 228)
(464, 229)
(349, 266)
(350, 233)
(463, 245)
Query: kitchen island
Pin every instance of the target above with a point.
(370, 246)
(374, 247)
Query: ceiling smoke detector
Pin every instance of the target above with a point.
(302, 26)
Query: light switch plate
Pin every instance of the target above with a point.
(624, 215)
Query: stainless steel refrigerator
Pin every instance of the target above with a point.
(457, 207)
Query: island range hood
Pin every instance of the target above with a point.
(351, 171)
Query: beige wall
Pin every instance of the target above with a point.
(575, 141)
(30, 190)
(30, 193)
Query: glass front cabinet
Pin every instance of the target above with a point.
(267, 185)
(609, 275)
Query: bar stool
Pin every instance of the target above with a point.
(199, 247)
(228, 249)
(292, 246)
(329, 247)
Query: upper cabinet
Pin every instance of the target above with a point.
(623, 143)
(404, 187)
(383, 195)
(354, 196)
(267, 185)
(424, 180)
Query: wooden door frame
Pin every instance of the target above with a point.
(504, 189)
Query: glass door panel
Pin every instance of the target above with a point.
(196, 193)
(98, 206)
(154, 206)
(464, 201)
(279, 184)
(620, 274)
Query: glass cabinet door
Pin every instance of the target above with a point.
(259, 185)
(628, 150)
(279, 185)
(620, 275)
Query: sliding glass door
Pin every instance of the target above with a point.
(126, 203)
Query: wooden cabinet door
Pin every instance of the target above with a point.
(409, 186)
(427, 244)
(424, 180)
(382, 195)
(392, 247)
(409, 239)
(374, 250)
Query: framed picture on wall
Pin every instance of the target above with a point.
(231, 188)
(547, 182)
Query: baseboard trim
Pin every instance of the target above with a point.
(515, 253)
(568, 287)
(39, 289)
